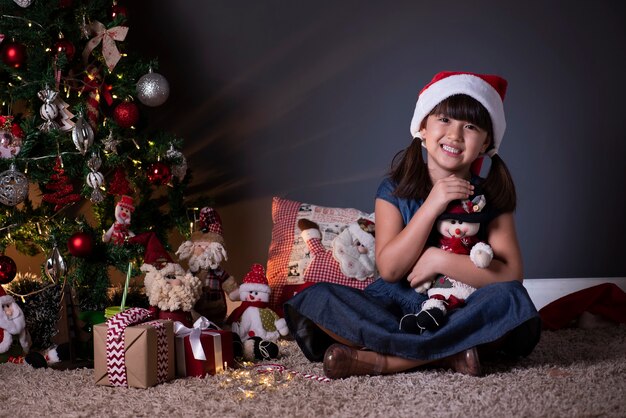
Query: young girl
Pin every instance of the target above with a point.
(459, 118)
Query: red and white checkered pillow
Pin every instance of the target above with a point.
(288, 253)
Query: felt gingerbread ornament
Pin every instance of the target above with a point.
(119, 231)
(457, 227)
(258, 326)
(352, 256)
(205, 252)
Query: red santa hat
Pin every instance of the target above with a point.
(209, 227)
(255, 280)
(489, 90)
(155, 253)
(126, 202)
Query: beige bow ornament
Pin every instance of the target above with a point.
(108, 37)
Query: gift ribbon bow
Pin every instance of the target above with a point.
(201, 324)
(108, 37)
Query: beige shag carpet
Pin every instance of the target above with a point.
(571, 373)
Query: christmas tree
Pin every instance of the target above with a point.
(74, 143)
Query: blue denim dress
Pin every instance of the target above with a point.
(370, 318)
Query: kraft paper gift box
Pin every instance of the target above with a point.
(200, 352)
(141, 354)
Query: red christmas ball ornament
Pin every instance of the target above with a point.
(159, 173)
(8, 269)
(80, 244)
(63, 45)
(126, 114)
(119, 10)
(13, 54)
(64, 4)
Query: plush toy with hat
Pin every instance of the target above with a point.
(205, 252)
(458, 227)
(12, 324)
(352, 256)
(170, 290)
(257, 325)
(119, 231)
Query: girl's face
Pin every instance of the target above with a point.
(452, 145)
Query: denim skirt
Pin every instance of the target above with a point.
(370, 319)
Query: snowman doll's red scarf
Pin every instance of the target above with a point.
(236, 314)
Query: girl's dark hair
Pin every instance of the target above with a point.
(410, 172)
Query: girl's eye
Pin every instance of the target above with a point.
(443, 119)
(472, 127)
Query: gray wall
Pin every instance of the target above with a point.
(310, 100)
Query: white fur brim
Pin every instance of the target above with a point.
(467, 84)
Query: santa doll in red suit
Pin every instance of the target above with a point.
(205, 252)
(458, 227)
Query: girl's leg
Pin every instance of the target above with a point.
(347, 359)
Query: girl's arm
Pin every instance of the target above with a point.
(506, 265)
(398, 247)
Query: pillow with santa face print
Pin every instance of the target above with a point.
(313, 244)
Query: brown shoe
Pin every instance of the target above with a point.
(342, 361)
(465, 362)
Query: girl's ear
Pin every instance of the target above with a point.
(486, 145)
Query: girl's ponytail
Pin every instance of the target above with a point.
(499, 186)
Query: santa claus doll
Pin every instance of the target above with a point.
(352, 256)
(171, 291)
(205, 252)
(12, 324)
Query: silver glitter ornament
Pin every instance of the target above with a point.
(153, 89)
(23, 3)
(13, 187)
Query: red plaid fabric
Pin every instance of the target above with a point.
(288, 249)
(324, 268)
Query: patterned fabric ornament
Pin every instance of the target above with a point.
(13, 187)
(179, 163)
(153, 89)
(48, 110)
(82, 135)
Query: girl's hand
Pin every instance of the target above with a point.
(425, 270)
(446, 190)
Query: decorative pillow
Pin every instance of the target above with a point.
(289, 255)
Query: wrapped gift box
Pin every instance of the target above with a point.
(203, 352)
(142, 359)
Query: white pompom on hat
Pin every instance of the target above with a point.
(488, 89)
